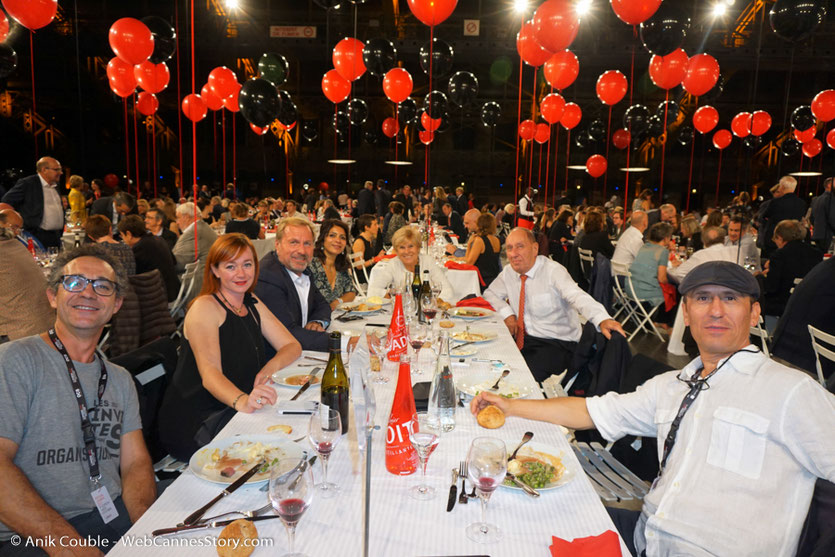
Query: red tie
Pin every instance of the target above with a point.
(520, 321)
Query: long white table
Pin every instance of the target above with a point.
(400, 525)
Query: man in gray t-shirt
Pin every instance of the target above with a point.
(44, 471)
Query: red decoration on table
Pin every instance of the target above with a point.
(397, 341)
(561, 69)
(455, 266)
(401, 457)
(606, 544)
(475, 302)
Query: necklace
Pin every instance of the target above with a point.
(238, 310)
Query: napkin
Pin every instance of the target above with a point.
(606, 544)
(454, 265)
(475, 302)
(669, 291)
(389, 256)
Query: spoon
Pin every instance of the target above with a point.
(525, 438)
(495, 387)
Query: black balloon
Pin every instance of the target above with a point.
(357, 111)
(490, 113)
(582, 139)
(686, 135)
(407, 111)
(379, 56)
(328, 4)
(341, 122)
(655, 126)
(309, 130)
(802, 118)
(273, 67)
(597, 130)
(259, 102)
(752, 142)
(371, 137)
(672, 111)
(790, 147)
(666, 30)
(796, 20)
(441, 58)
(8, 60)
(352, 134)
(636, 119)
(463, 88)
(435, 104)
(288, 113)
(714, 93)
(444, 125)
(165, 39)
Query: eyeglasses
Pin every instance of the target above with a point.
(78, 283)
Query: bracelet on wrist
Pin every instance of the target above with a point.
(237, 398)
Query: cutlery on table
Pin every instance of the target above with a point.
(462, 473)
(495, 387)
(310, 461)
(453, 490)
(195, 516)
(525, 438)
(215, 524)
(525, 487)
(245, 514)
(315, 359)
(463, 344)
(309, 382)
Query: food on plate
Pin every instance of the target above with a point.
(469, 337)
(536, 469)
(237, 539)
(364, 307)
(284, 428)
(490, 417)
(375, 300)
(299, 380)
(239, 457)
(469, 313)
(446, 324)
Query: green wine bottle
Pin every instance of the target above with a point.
(335, 381)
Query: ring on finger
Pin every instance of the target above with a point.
(259, 400)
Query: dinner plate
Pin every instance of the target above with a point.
(279, 448)
(285, 377)
(463, 352)
(359, 302)
(569, 472)
(470, 313)
(464, 336)
(474, 382)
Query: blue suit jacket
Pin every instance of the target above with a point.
(27, 198)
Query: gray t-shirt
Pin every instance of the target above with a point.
(38, 411)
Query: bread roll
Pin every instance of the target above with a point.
(490, 417)
(237, 539)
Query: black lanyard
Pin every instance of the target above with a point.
(86, 426)
(697, 385)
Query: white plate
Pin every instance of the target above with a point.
(459, 336)
(280, 377)
(361, 300)
(470, 313)
(474, 382)
(464, 352)
(568, 474)
(283, 448)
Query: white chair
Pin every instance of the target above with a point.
(186, 286)
(818, 338)
(797, 281)
(759, 332)
(641, 312)
(586, 261)
(357, 262)
(622, 301)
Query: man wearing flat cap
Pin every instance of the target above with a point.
(741, 438)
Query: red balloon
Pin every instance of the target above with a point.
(429, 123)
(121, 91)
(131, 40)
(347, 58)
(432, 12)
(121, 77)
(397, 85)
(805, 136)
(552, 107)
(760, 122)
(527, 129)
(542, 133)
(335, 87)
(611, 87)
(561, 69)
(668, 71)
(555, 24)
(213, 102)
(194, 108)
(741, 124)
(705, 118)
(529, 49)
(4, 26)
(390, 127)
(32, 14)
(633, 12)
(147, 103)
(111, 180)
(230, 103)
(596, 166)
(621, 138)
(721, 139)
(812, 148)
(426, 137)
(830, 138)
(259, 131)
(823, 105)
(151, 77)
(223, 82)
(702, 74)
(571, 116)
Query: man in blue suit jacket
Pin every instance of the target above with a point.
(37, 200)
(284, 285)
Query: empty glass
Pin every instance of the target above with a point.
(424, 434)
(376, 338)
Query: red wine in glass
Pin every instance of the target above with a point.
(487, 484)
(417, 344)
(324, 448)
(291, 510)
(430, 314)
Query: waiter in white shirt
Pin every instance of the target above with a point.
(631, 241)
(539, 302)
(525, 217)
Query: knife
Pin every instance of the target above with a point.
(464, 344)
(215, 524)
(525, 487)
(453, 490)
(309, 382)
(195, 516)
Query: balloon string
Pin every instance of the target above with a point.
(518, 139)
(690, 173)
(664, 145)
(626, 187)
(820, 168)
(154, 146)
(431, 133)
(556, 160)
(718, 175)
(214, 142)
(335, 113)
(148, 154)
(539, 170)
(127, 138)
(632, 65)
(136, 146)
(397, 124)
(34, 106)
(786, 105)
(193, 135)
(606, 174)
(179, 96)
(223, 138)
(567, 152)
(234, 156)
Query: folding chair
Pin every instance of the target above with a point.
(818, 338)
(586, 261)
(186, 286)
(612, 481)
(640, 311)
(619, 272)
(759, 332)
(357, 262)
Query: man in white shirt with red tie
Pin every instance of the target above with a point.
(540, 304)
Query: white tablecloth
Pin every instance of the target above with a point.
(400, 525)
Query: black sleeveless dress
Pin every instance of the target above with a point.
(187, 404)
(368, 254)
(488, 263)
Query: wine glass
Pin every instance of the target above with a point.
(418, 335)
(486, 468)
(429, 306)
(291, 492)
(436, 289)
(409, 307)
(424, 434)
(324, 434)
(376, 337)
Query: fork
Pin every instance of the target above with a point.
(247, 514)
(462, 472)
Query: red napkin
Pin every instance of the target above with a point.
(389, 256)
(669, 291)
(464, 267)
(477, 302)
(606, 544)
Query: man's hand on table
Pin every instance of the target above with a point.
(314, 326)
(510, 323)
(483, 400)
(609, 325)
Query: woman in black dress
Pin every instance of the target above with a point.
(560, 234)
(242, 223)
(483, 249)
(596, 237)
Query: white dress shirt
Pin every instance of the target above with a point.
(302, 284)
(526, 208)
(53, 210)
(716, 252)
(552, 300)
(629, 244)
(749, 249)
(391, 272)
(740, 477)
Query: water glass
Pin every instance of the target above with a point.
(486, 468)
(376, 338)
(424, 434)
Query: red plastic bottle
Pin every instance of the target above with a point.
(30, 245)
(398, 341)
(401, 457)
